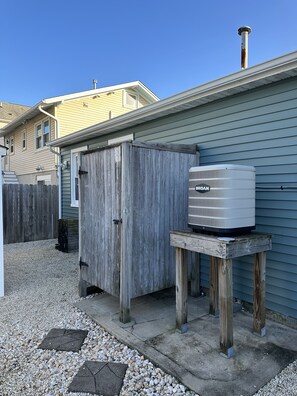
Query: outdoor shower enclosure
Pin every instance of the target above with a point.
(131, 196)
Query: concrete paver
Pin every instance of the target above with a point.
(64, 340)
(99, 378)
(194, 357)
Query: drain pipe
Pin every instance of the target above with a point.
(244, 31)
(59, 159)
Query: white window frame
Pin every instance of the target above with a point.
(125, 101)
(11, 145)
(43, 134)
(46, 178)
(24, 139)
(74, 158)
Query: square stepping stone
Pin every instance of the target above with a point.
(64, 340)
(99, 378)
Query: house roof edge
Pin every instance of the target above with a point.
(46, 103)
(273, 70)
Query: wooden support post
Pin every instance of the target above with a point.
(181, 290)
(226, 307)
(259, 293)
(82, 287)
(214, 287)
(221, 291)
(195, 274)
(83, 275)
(126, 251)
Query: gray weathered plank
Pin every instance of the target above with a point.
(145, 188)
(259, 293)
(181, 290)
(226, 307)
(214, 286)
(127, 253)
(29, 212)
(220, 247)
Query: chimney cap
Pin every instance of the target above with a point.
(244, 29)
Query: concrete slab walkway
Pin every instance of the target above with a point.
(194, 357)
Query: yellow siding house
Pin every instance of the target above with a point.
(27, 135)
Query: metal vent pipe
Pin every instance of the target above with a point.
(244, 31)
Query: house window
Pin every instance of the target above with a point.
(130, 100)
(24, 140)
(42, 130)
(11, 145)
(74, 175)
(45, 179)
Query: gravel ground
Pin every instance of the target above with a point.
(41, 286)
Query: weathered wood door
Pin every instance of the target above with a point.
(100, 218)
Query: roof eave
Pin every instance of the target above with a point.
(46, 103)
(27, 115)
(262, 74)
(134, 84)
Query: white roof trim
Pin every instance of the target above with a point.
(134, 84)
(243, 80)
(46, 103)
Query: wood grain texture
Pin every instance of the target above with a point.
(127, 234)
(259, 293)
(214, 286)
(99, 239)
(30, 212)
(238, 246)
(194, 259)
(226, 306)
(144, 188)
(181, 289)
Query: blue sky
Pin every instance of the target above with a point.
(51, 48)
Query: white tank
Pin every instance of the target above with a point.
(222, 198)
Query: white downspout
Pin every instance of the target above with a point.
(59, 159)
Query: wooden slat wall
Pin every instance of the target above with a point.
(99, 205)
(151, 202)
(30, 212)
(160, 181)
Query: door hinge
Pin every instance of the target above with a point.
(82, 264)
(117, 221)
(82, 172)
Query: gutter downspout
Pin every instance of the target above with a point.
(59, 159)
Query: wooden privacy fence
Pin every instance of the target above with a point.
(30, 212)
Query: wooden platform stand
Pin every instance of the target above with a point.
(221, 251)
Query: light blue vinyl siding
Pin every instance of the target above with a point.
(67, 211)
(257, 128)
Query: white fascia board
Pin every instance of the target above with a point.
(17, 121)
(147, 93)
(98, 91)
(233, 83)
(46, 103)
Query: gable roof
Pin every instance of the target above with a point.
(11, 111)
(256, 76)
(46, 103)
